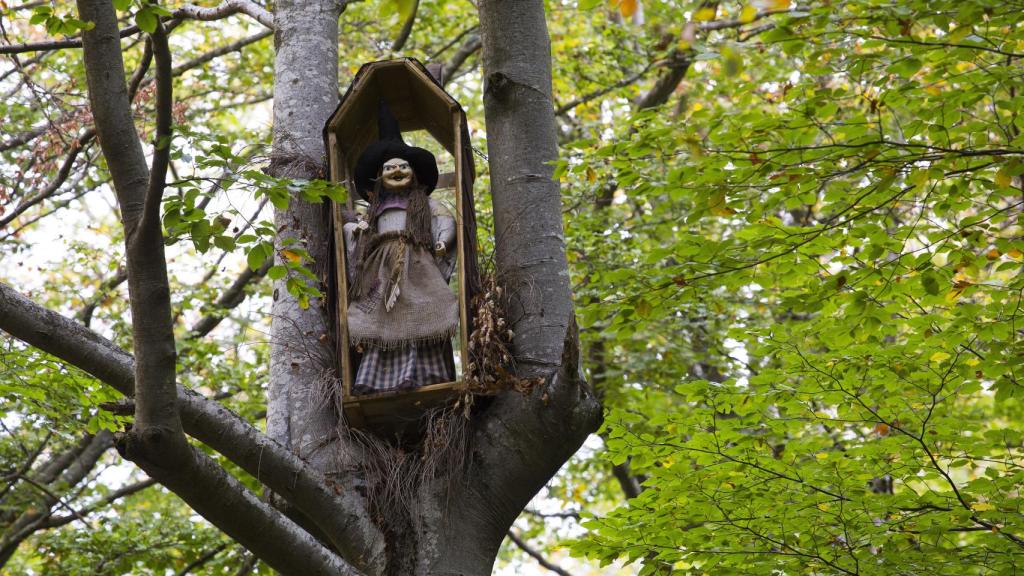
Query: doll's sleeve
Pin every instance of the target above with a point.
(442, 224)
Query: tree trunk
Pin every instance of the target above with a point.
(305, 94)
(519, 442)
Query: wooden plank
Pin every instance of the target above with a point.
(445, 180)
(342, 266)
(406, 392)
(354, 415)
(397, 413)
(461, 240)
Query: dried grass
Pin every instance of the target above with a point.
(395, 469)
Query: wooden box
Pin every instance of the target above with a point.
(418, 102)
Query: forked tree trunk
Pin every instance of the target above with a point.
(518, 442)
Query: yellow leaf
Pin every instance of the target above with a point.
(1003, 179)
(577, 493)
(716, 203)
(704, 14)
(627, 8)
(973, 362)
(982, 506)
(823, 507)
(939, 357)
(643, 308)
(821, 455)
(919, 177)
(291, 255)
(748, 14)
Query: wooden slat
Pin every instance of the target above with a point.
(461, 240)
(342, 266)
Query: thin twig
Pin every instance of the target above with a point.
(536, 555)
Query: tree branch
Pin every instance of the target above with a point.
(231, 298)
(678, 65)
(565, 108)
(58, 521)
(139, 79)
(156, 419)
(338, 513)
(73, 465)
(467, 49)
(23, 138)
(218, 52)
(85, 314)
(228, 504)
(225, 9)
(726, 24)
(75, 42)
(536, 555)
(406, 31)
(56, 183)
(203, 559)
(163, 133)
(631, 487)
(139, 76)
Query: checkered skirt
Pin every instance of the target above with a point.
(404, 368)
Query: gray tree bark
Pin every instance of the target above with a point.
(305, 94)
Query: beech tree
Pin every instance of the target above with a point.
(794, 253)
(321, 522)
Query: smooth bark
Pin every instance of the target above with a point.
(529, 243)
(305, 94)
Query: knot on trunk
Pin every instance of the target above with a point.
(296, 165)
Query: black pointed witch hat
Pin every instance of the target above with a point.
(390, 145)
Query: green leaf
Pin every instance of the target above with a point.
(226, 243)
(159, 10)
(256, 257)
(146, 20)
(906, 67)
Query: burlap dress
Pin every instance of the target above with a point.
(404, 324)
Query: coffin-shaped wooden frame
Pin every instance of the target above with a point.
(418, 102)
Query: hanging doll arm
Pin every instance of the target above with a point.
(443, 231)
(351, 231)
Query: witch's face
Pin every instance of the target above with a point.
(396, 174)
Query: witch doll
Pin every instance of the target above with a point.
(402, 314)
